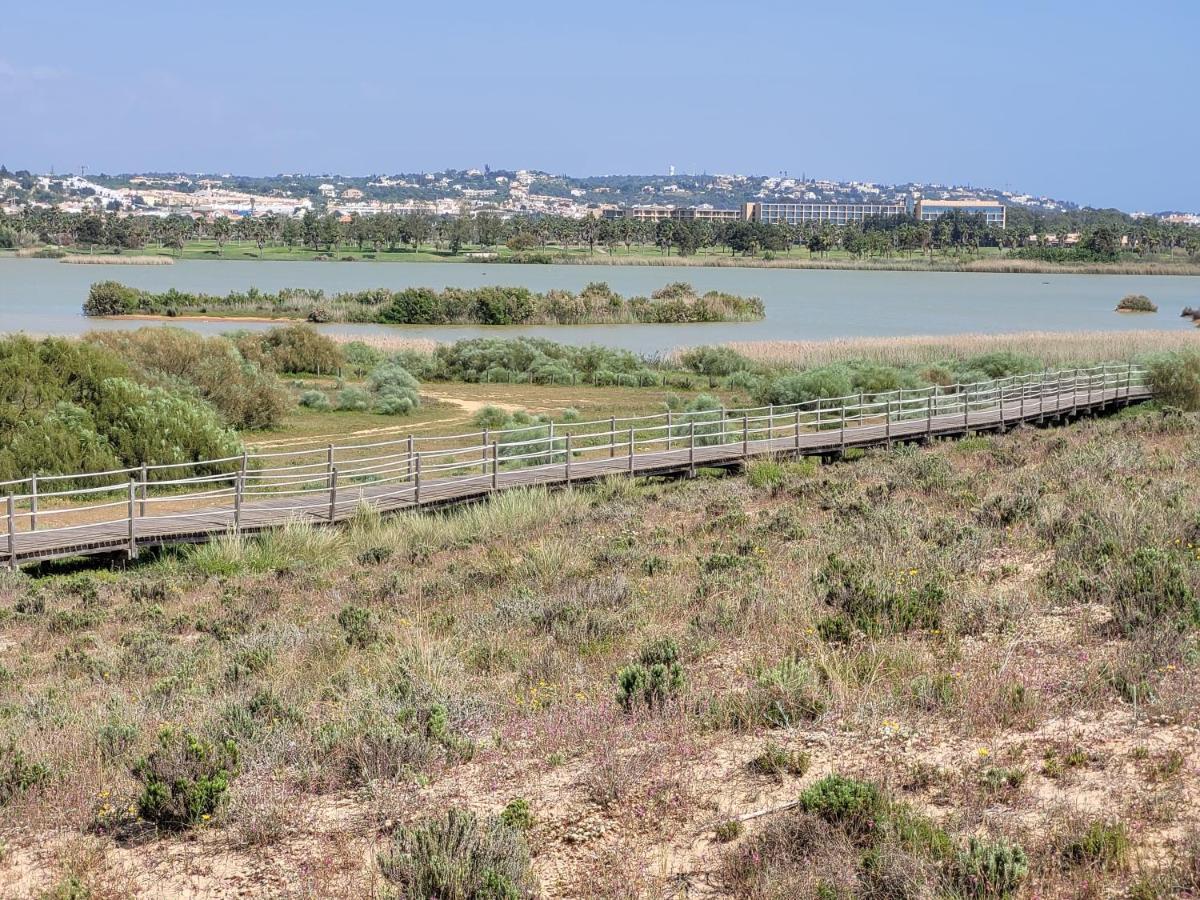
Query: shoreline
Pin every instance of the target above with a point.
(985, 266)
(152, 317)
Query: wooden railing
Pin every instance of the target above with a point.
(123, 509)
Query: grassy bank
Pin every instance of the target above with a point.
(964, 671)
(595, 304)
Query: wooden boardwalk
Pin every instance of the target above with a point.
(125, 511)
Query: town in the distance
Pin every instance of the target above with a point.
(526, 212)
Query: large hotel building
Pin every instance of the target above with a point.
(831, 213)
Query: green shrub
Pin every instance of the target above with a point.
(803, 387)
(358, 626)
(353, 399)
(717, 362)
(292, 349)
(1175, 379)
(788, 693)
(184, 779)
(396, 392)
(245, 393)
(111, 298)
(729, 830)
(1152, 587)
(18, 774)
(856, 807)
(150, 425)
(1101, 845)
(990, 869)
(654, 679)
(877, 605)
(999, 364)
(457, 856)
(765, 474)
(1136, 303)
(516, 814)
(317, 400)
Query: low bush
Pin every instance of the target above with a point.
(358, 626)
(1175, 379)
(516, 814)
(990, 869)
(353, 399)
(775, 760)
(18, 774)
(245, 393)
(1136, 303)
(856, 807)
(185, 779)
(1099, 845)
(396, 392)
(292, 349)
(655, 678)
(878, 605)
(458, 856)
(315, 400)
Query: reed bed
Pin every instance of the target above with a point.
(109, 260)
(1053, 348)
(389, 343)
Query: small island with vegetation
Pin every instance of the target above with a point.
(1137, 303)
(597, 303)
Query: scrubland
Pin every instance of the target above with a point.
(963, 670)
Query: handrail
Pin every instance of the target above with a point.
(307, 481)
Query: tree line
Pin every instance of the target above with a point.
(1104, 234)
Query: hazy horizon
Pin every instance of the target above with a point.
(1080, 102)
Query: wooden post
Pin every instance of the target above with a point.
(692, 449)
(612, 437)
(33, 503)
(887, 423)
(630, 451)
(930, 406)
(238, 487)
(333, 480)
(860, 409)
(409, 464)
(967, 408)
(568, 438)
(144, 489)
(550, 446)
(483, 456)
(132, 550)
(417, 478)
(797, 428)
(669, 441)
(12, 533)
(745, 436)
(495, 465)
(722, 441)
(770, 422)
(1128, 379)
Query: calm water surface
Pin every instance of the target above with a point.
(44, 297)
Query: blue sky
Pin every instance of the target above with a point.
(1089, 101)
